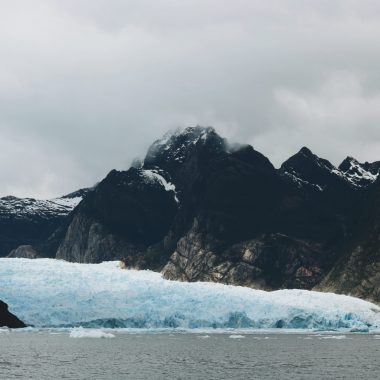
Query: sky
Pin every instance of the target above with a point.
(87, 85)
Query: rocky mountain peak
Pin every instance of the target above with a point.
(360, 174)
(307, 169)
(305, 151)
(347, 163)
(306, 155)
(177, 146)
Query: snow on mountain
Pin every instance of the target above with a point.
(295, 177)
(68, 203)
(176, 145)
(21, 208)
(307, 169)
(360, 175)
(103, 295)
(30, 207)
(155, 177)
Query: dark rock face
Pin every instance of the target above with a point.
(7, 319)
(307, 169)
(269, 262)
(198, 209)
(357, 272)
(24, 252)
(127, 214)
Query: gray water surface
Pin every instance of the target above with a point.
(47, 355)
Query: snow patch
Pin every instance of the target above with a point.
(154, 176)
(176, 143)
(301, 182)
(358, 176)
(67, 202)
(26, 208)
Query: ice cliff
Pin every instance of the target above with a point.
(52, 293)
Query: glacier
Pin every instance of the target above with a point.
(53, 293)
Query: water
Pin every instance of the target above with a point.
(54, 355)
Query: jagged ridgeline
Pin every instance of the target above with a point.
(199, 209)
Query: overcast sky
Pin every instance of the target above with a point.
(87, 85)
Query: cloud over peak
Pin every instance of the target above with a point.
(86, 86)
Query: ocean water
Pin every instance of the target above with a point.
(228, 355)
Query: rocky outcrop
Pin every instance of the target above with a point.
(127, 215)
(269, 262)
(88, 241)
(357, 274)
(7, 319)
(24, 252)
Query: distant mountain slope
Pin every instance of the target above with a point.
(30, 221)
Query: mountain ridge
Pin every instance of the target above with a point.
(198, 210)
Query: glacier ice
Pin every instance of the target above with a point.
(53, 293)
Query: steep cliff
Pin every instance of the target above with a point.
(357, 272)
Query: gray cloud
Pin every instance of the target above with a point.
(87, 85)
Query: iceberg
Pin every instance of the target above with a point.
(53, 293)
(80, 332)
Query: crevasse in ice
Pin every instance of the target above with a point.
(52, 293)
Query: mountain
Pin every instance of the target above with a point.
(198, 208)
(28, 221)
(187, 180)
